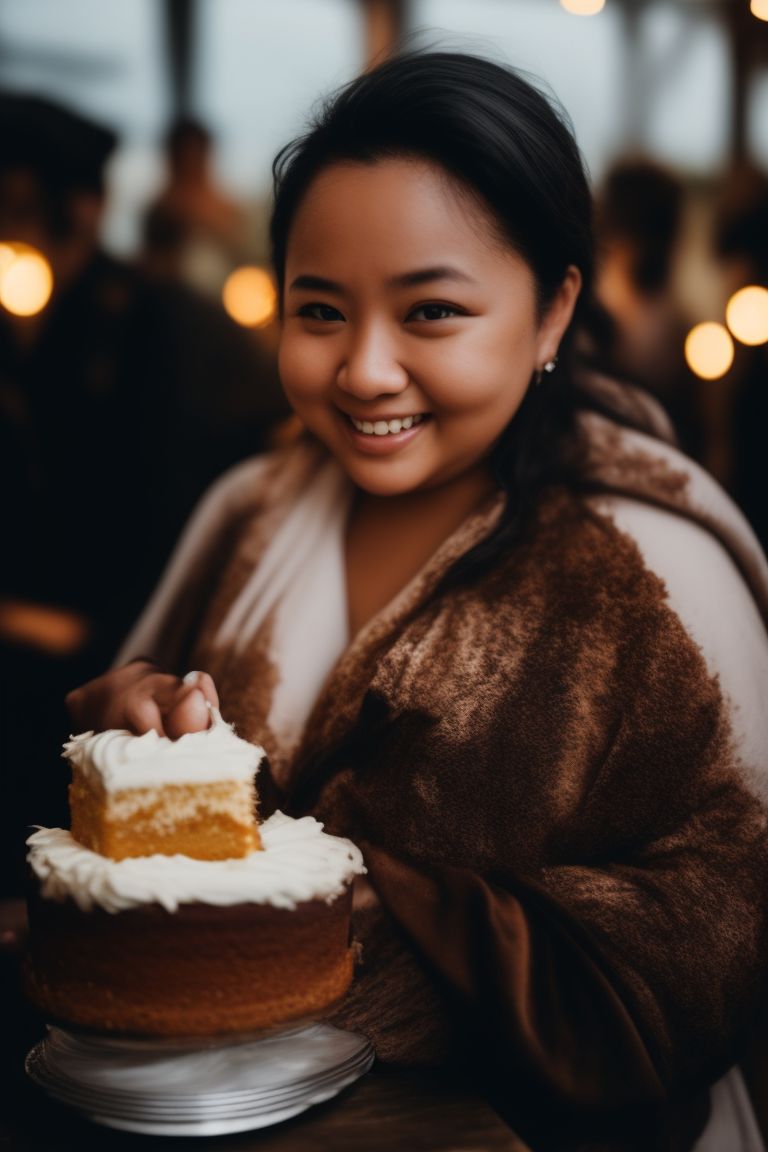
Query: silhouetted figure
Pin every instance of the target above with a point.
(639, 214)
(119, 404)
(192, 231)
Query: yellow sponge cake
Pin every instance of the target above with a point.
(148, 795)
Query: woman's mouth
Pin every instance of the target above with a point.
(379, 437)
(386, 427)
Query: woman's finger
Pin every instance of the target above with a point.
(142, 714)
(189, 714)
(206, 685)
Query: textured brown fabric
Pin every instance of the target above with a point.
(542, 775)
(647, 469)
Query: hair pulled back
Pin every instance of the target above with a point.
(508, 146)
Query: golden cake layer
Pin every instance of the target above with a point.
(204, 821)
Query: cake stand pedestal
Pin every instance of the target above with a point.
(198, 1088)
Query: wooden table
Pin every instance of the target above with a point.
(385, 1111)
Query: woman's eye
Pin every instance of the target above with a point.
(433, 312)
(322, 312)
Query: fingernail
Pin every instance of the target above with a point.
(191, 678)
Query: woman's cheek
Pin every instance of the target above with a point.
(300, 369)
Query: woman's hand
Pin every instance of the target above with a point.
(141, 697)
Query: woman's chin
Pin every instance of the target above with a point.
(381, 485)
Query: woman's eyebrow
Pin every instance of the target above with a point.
(425, 275)
(402, 280)
(316, 284)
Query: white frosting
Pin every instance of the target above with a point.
(117, 759)
(298, 862)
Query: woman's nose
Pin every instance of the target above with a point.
(370, 366)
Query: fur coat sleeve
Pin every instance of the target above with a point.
(559, 780)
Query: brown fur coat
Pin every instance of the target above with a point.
(561, 806)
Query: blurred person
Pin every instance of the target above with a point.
(638, 217)
(119, 403)
(741, 246)
(192, 230)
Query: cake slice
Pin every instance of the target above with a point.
(149, 795)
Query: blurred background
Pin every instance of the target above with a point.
(137, 330)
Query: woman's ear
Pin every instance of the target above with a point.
(558, 315)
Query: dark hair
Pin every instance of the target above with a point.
(504, 141)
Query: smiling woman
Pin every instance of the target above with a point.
(464, 615)
(438, 327)
(408, 366)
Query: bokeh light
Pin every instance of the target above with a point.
(7, 256)
(759, 8)
(746, 314)
(26, 280)
(709, 350)
(583, 7)
(249, 296)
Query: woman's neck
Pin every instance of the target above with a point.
(389, 539)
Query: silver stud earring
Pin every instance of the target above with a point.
(549, 368)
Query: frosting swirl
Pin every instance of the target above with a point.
(299, 862)
(118, 759)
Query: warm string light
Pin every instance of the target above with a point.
(7, 256)
(26, 280)
(249, 296)
(583, 7)
(709, 350)
(746, 314)
(759, 8)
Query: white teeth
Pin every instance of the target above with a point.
(386, 427)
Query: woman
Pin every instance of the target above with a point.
(467, 616)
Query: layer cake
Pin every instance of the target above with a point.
(170, 944)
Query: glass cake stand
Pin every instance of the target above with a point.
(200, 1087)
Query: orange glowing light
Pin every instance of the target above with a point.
(7, 257)
(583, 7)
(759, 8)
(249, 296)
(26, 280)
(709, 350)
(746, 314)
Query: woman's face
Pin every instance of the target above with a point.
(410, 330)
